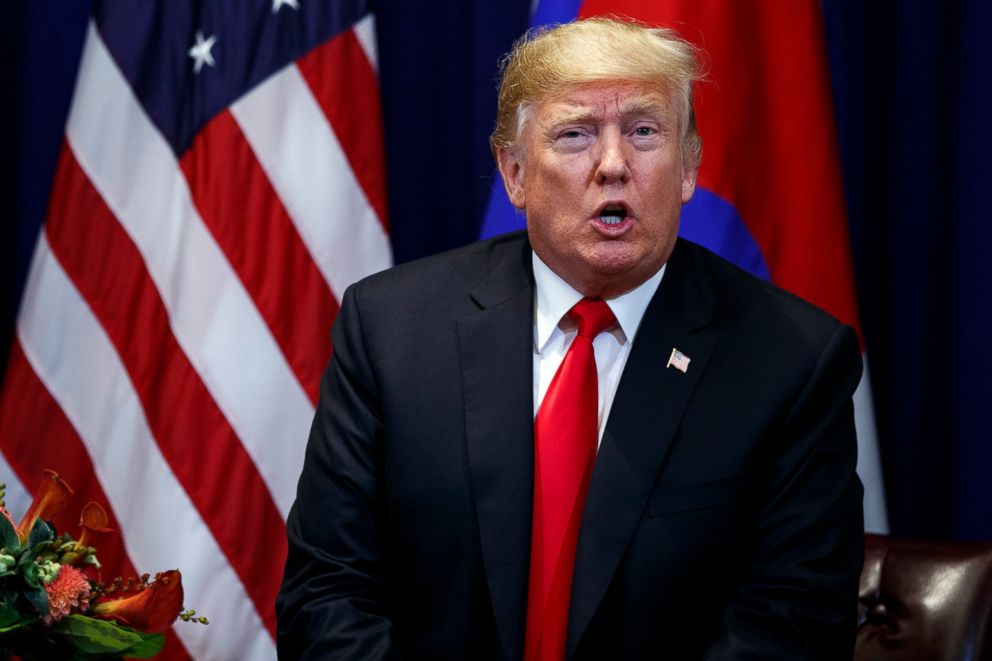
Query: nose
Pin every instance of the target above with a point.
(612, 166)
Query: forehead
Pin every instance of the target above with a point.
(603, 100)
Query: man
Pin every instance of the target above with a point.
(591, 441)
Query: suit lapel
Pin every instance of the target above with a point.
(495, 350)
(648, 406)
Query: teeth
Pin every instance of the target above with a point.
(612, 215)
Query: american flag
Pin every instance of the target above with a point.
(679, 361)
(221, 182)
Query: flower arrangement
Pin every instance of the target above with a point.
(52, 603)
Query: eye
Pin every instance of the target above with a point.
(644, 134)
(572, 138)
(570, 134)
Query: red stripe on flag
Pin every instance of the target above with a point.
(35, 435)
(346, 87)
(245, 215)
(770, 147)
(195, 438)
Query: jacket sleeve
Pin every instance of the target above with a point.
(797, 598)
(331, 604)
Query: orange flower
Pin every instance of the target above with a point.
(68, 592)
(93, 523)
(45, 505)
(93, 520)
(151, 608)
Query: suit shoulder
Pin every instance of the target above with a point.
(464, 264)
(743, 298)
(440, 280)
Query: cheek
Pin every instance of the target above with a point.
(550, 193)
(670, 188)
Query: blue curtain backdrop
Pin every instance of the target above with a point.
(913, 89)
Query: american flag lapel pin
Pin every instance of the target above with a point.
(678, 360)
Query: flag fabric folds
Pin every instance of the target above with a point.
(770, 195)
(220, 184)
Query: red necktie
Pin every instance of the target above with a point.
(565, 434)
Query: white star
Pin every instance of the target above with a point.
(200, 52)
(276, 4)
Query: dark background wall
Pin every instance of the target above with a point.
(913, 89)
(913, 92)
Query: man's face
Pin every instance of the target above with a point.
(598, 170)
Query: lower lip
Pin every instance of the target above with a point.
(612, 230)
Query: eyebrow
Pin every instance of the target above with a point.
(644, 107)
(580, 114)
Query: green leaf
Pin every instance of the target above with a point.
(38, 598)
(20, 624)
(10, 619)
(8, 614)
(150, 645)
(41, 532)
(15, 621)
(13, 627)
(32, 575)
(94, 636)
(8, 535)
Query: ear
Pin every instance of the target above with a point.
(512, 170)
(688, 183)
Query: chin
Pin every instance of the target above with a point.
(615, 259)
(623, 268)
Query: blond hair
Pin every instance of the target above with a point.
(550, 60)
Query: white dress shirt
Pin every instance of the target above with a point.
(554, 332)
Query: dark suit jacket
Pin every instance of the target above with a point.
(723, 518)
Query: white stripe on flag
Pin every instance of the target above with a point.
(303, 159)
(365, 31)
(211, 314)
(18, 498)
(869, 463)
(162, 529)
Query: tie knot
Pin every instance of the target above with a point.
(593, 316)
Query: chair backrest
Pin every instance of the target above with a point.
(923, 601)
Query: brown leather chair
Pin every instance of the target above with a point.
(923, 601)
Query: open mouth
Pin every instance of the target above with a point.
(613, 214)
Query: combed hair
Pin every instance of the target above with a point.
(553, 59)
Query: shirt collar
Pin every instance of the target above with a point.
(555, 297)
